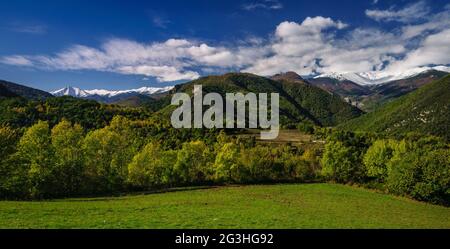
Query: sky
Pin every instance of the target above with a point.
(117, 45)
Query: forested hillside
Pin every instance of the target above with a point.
(424, 111)
(299, 102)
(20, 112)
(20, 90)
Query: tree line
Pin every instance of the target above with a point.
(126, 155)
(63, 160)
(417, 166)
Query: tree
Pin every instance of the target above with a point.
(151, 167)
(434, 185)
(258, 163)
(12, 177)
(226, 164)
(420, 170)
(36, 151)
(377, 158)
(193, 164)
(107, 153)
(339, 162)
(342, 160)
(8, 140)
(102, 149)
(311, 157)
(67, 141)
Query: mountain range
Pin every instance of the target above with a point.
(380, 77)
(368, 97)
(418, 103)
(364, 90)
(107, 96)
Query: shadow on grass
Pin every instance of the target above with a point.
(136, 193)
(118, 196)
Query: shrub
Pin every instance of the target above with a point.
(306, 128)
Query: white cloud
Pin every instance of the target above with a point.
(408, 14)
(167, 61)
(435, 49)
(162, 73)
(16, 60)
(308, 48)
(263, 4)
(436, 22)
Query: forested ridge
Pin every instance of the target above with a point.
(424, 111)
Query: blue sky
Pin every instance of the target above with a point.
(129, 44)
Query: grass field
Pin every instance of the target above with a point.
(256, 206)
(284, 136)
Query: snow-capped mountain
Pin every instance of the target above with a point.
(108, 96)
(379, 77)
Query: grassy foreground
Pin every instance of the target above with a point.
(257, 206)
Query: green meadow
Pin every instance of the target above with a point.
(252, 206)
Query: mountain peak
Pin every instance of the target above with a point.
(69, 91)
(288, 76)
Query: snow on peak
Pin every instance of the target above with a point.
(70, 91)
(79, 93)
(332, 75)
(379, 77)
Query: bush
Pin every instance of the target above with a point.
(306, 128)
